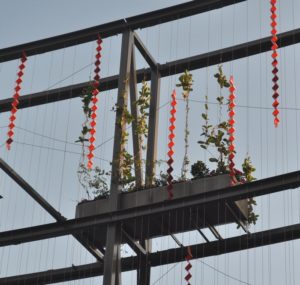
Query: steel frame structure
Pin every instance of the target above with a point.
(109, 262)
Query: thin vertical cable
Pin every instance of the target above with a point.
(171, 144)
(94, 107)
(274, 40)
(231, 130)
(188, 267)
(15, 101)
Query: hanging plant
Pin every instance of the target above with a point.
(86, 100)
(94, 181)
(186, 82)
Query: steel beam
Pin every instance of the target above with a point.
(136, 137)
(113, 28)
(212, 248)
(135, 246)
(45, 205)
(254, 189)
(153, 126)
(112, 261)
(83, 239)
(144, 52)
(174, 67)
(30, 191)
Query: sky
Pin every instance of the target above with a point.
(44, 152)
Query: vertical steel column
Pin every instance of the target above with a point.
(144, 265)
(137, 148)
(112, 259)
(153, 126)
(144, 269)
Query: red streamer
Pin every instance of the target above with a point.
(171, 145)
(231, 130)
(94, 107)
(275, 79)
(188, 267)
(15, 102)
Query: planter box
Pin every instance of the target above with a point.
(181, 220)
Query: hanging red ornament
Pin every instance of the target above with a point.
(274, 40)
(231, 130)
(171, 144)
(94, 107)
(188, 267)
(15, 101)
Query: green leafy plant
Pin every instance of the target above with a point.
(93, 181)
(126, 159)
(215, 141)
(87, 97)
(186, 82)
(143, 104)
(221, 78)
(199, 169)
(248, 170)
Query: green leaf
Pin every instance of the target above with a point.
(212, 159)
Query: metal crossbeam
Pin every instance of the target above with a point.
(83, 239)
(175, 67)
(164, 257)
(144, 51)
(135, 246)
(113, 28)
(257, 188)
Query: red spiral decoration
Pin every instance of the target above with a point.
(94, 107)
(188, 267)
(171, 145)
(15, 102)
(275, 79)
(231, 130)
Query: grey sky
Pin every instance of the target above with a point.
(50, 165)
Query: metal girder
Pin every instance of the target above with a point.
(164, 257)
(257, 188)
(136, 137)
(113, 28)
(83, 239)
(151, 155)
(30, 191)
(167, 69)
(135, 246)
(144, 52)
(112, 258)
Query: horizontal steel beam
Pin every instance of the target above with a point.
(164, 257)
(113, 28)
(167, 69)
(229, 194)
(47, 206)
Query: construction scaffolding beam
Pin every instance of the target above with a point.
(174, 67)
(164, 257)
(83, 239)
(114, 28)
(257, 188)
